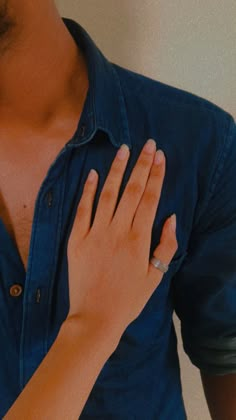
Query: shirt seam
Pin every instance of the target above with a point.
(220, 160)
(192, 101)
(223, 154)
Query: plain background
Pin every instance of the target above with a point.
(189, 44)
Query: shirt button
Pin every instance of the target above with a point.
(49, 198)
(38, 296)
(16, 290)
(82, 130)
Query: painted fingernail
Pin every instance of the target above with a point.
(123, 151)
(159, 157)
(173, 222)
(150, 146)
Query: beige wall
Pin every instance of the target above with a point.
(186, 43)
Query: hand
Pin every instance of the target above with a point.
(110, 276)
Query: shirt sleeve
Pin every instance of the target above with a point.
(204, 288)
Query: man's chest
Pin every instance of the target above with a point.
(21, 174)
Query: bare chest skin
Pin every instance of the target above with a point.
(26, 155)
(23, 167)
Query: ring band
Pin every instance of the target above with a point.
(158, 264)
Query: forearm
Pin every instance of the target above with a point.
(63, 381)
(220, 392)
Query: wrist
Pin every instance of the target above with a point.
(107, 338)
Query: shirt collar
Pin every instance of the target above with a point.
(104, 107)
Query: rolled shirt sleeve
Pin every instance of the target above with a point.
(204, 288)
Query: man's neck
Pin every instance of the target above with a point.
(43, 74)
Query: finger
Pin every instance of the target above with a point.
(164, 252)
(83, 216)
(109, 194)
(135, 187)
(146, 211)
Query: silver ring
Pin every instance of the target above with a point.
(158, 264)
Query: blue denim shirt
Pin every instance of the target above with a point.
(141, 379)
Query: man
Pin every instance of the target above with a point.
(64, 108)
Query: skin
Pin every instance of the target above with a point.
(118, 288)
(30, 55)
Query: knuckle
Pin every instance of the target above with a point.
(81, 211)
(173, 241)
(116, 168)
(144, 160)
(107, 195)
(134, 188)
(86, 194)
(157, 172)
(87, 190)
(151, 197)
(135, 236)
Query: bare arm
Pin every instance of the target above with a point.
(62, 383)
(220, 392)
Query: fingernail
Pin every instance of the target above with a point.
(150, 146)
(123, 151)
(173, 222)
(92, 175)
(159, 157)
